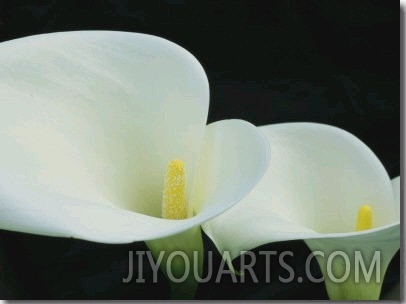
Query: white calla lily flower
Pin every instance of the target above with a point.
(88, 124)
(319, 177)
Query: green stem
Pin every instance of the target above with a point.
(344, 276)
(181, 261)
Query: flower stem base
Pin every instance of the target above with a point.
(181, 260)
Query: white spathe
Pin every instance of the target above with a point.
(318, 178)
(89, 121)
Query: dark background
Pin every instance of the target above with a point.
(333, 62)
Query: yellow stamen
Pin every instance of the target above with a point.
(364, 219)
(174, 197)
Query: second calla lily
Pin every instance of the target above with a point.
(88, 124)
(318, 179)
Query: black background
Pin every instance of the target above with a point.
(333, 62)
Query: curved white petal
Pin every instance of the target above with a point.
(96, 115)
(396, 190)
(235, 157)
(318, 177)
(380, 245)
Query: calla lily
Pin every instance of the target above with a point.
(318, 178)
(88, 123)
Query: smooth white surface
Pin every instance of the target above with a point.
(98, 115)
(90, 120)
(317, 179)
(33, 211)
